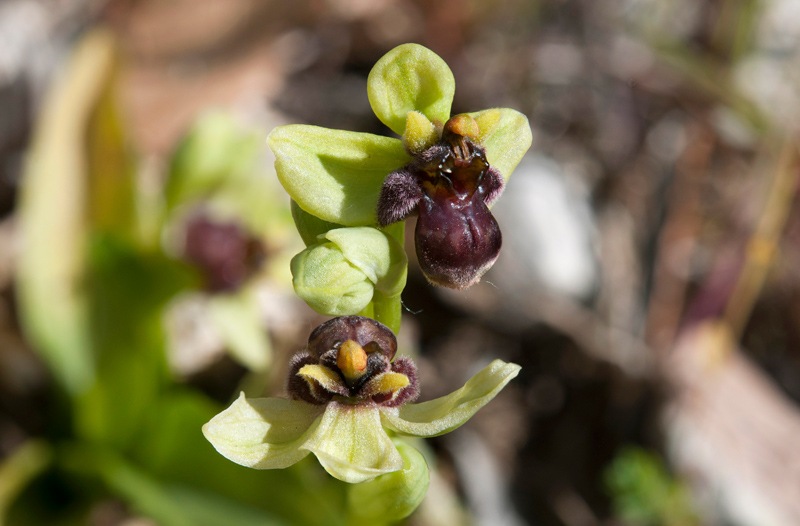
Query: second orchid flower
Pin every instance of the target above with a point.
(447, 170)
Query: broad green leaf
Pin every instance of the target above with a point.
(393, 496)
(332, 174)
(328, 282)
(263, 433)
(447, 413)
(351, 444)
(52, 214)
(408, 78)
(506, 135)
(237, 318)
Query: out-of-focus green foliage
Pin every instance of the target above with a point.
(644, 493)
(95, 280)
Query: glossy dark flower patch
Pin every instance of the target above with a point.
(450, 187)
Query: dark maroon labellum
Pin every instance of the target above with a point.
(449, 186)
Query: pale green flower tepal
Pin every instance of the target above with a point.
(350, 441)
(337, 175)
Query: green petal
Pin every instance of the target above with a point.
(382, 259)
(410, 78)
(393, 496)
(332, 174)
(263, 433)
(420, 133)
(447, 413)
(331, 285)
(351, 444)
(506, 135)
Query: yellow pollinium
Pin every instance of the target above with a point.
(352, 360)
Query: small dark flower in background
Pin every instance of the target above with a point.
(350, 358)
(450, 186)
(225, 253)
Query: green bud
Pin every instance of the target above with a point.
(393, 496)
(347, 268)
(328, 283)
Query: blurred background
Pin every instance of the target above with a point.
(648, 283)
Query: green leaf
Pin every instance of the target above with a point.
(127, 291)
(506, 135)
(442, 415)
(52, 216)
(263, 433)
(237, 318)
(644, 492)
(393, 496)
(170, 504)
(332, 174)
(410, 78)
(351, 444)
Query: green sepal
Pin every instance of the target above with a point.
(310, 227)
(382, 259)
(408, 78)
(332, 174)
(444, 414)
(263, 433)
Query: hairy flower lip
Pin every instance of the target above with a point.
(449, 187)
(319, 378)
